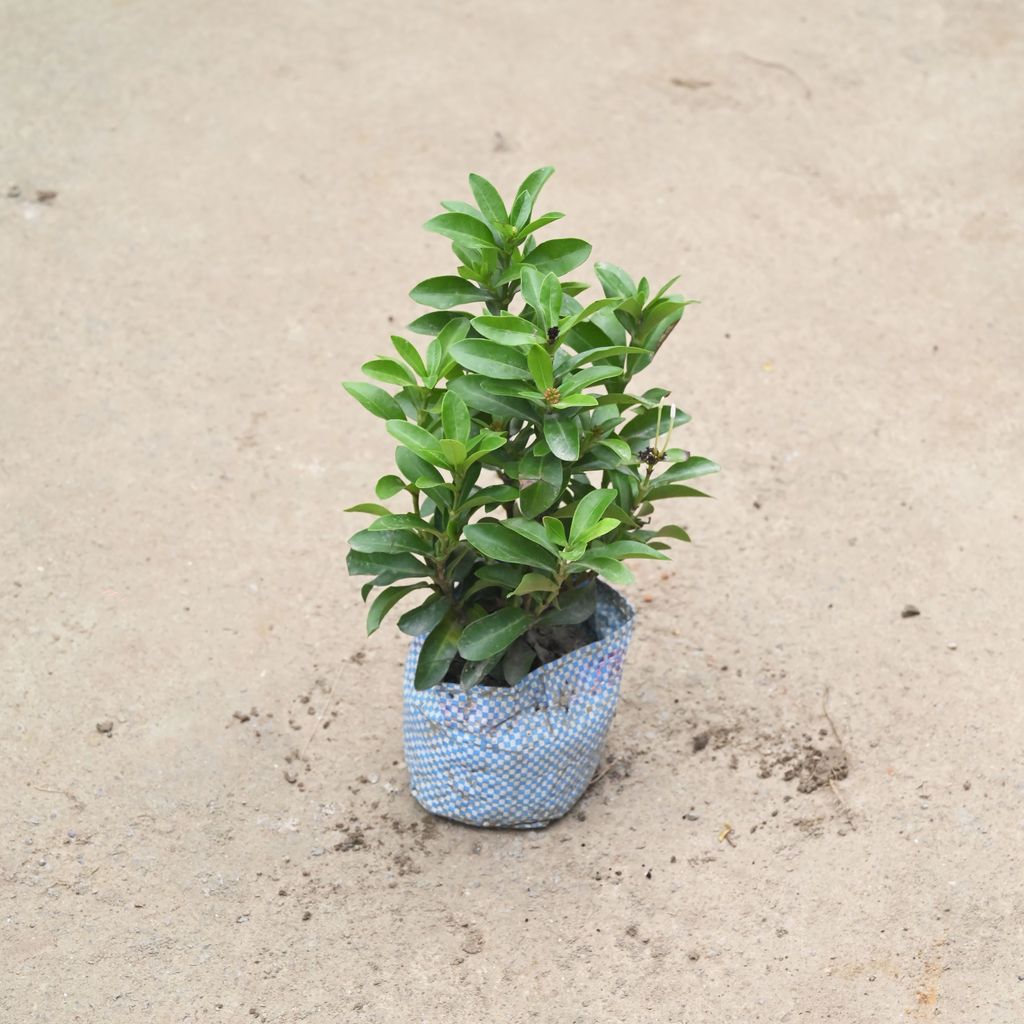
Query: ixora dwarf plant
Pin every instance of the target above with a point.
(530, 467)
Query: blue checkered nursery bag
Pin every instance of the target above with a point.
(518, 757)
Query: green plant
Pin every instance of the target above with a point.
(528, 466)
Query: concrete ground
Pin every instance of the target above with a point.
(234, 224)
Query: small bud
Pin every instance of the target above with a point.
(552, 334)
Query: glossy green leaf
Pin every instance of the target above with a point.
(490, 359)
(563, 437)
(434, 323)
(539, 363)
(461, 228)
(534, 582)
(415, 438)
(371, 541)
(659, 491)
(508, 330)
(693, 467)
(497, 494)
(614, 280)
(424, 617)
(518, 661)
(497, 541)
(445, 292)
(384, 602)
(620, 549)
(487, 198)
(555, 531)
(559, 255)
(402, 521)
(611, 569)
(589, 511)
(675, 532)
(388, 566)
(476, 396)
(375, 400)
(550, 300)
(574, 605)
(543, 479)
(439, 648)
(455, 417)
(388, 486)
(370, 508)
(536, 225)
(493, 633)
(390, 371)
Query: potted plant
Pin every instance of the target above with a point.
(529, 469)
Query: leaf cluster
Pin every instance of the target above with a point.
(527, 463)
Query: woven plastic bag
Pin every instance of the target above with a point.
(517, 757)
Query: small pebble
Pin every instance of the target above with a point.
(105, 727)
(317, 851)
(951, 645)
(909, 611)
(306, 915)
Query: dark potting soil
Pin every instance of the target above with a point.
(548, 642)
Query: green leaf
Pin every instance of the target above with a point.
(497, 494)
(461, 228)
(440, 646)
(445, 292)
(423, 618)
(574, 606)
(542, 478)
(570, 322)
(434, 323)
(409, 353)
(490, 359)
(518, 661)
(455, 417)
(375, 400)
(540, 366)
(488, 200)
(373, 541)
(388, 486)
(531, 530)
(659, 491)
(388, 370)
(550, 300)
(521, 210)
(415, 469)
(454, 451)
(476, 396)
(675, 532)
(576, 402)
(497, 541)
(488, 443)
(693, 467)
(559, 255)
(609, 568)
(388, 566)
(533, 582)
(599, 529)
(563, 437)
(587, 377)
(589, 511)
(555, 531)
(384, 602)
(619, 447)
(533, 183)
(507, 329)
(370, 508)
(620, 549)
(493, 634)
(640, 430)
(614, 280)
(536, 225)
(402, 521)
(475, 671)
(418, 440)
(530, 283)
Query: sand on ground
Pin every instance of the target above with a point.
(239, 190)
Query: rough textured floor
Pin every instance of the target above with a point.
(236, 224)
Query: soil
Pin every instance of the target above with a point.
(234, 225)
